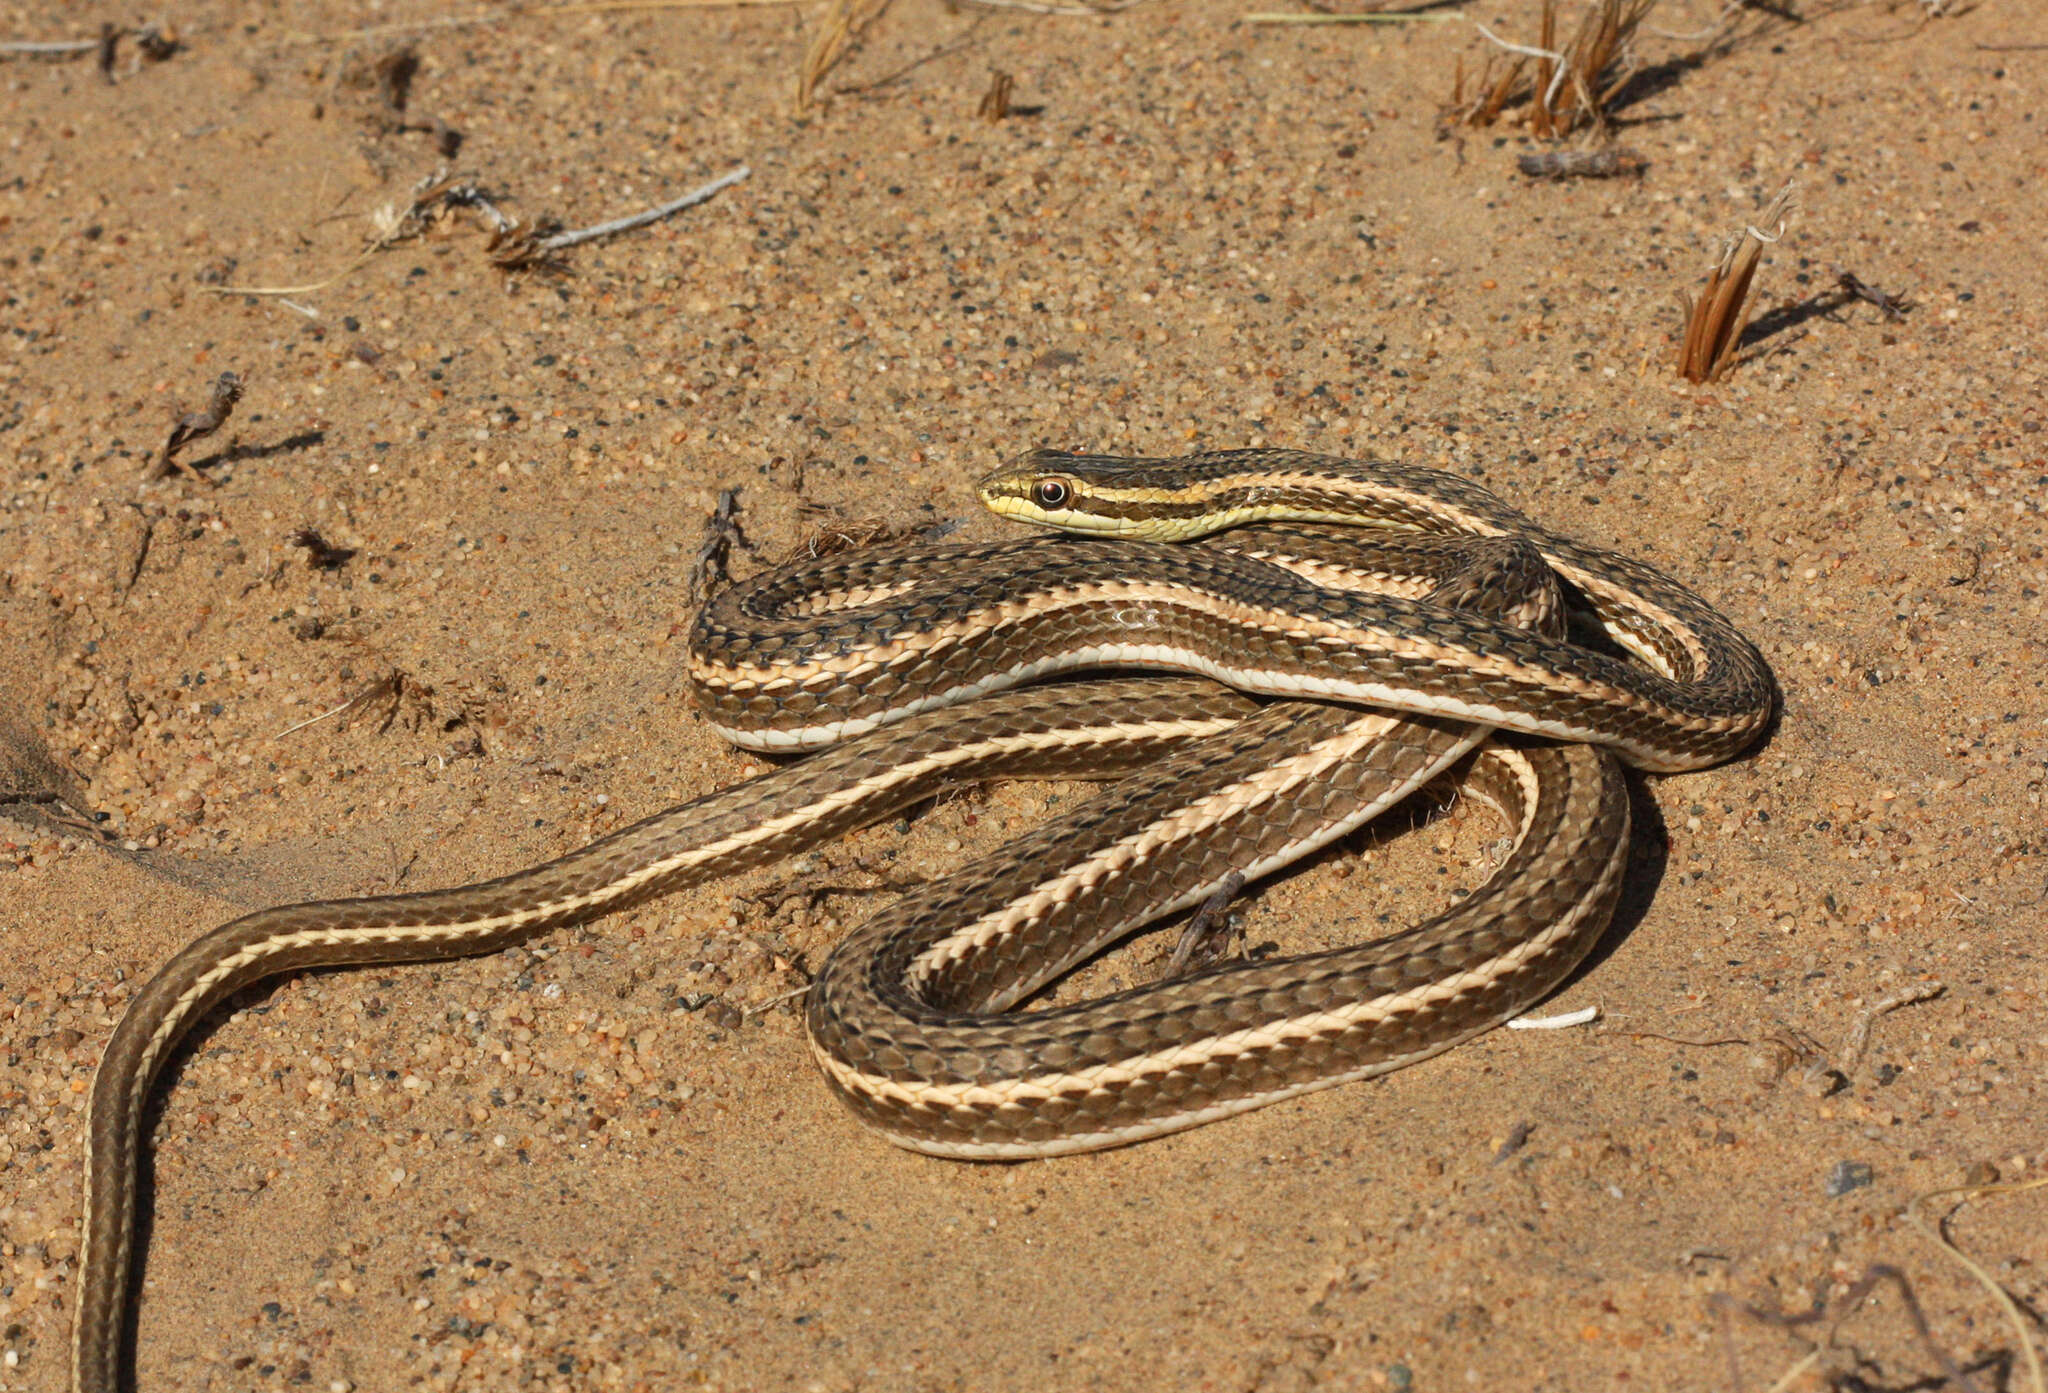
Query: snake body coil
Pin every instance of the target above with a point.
(905, 660)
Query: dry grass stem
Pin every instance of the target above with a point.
(1363, 17)
(1564, 88)
(430, 197)
(512, 12)
(1076, 11)
(514, 244)
(391, 225)
(1715, 320)
(1832, 1315)
(837, 28)
(834, 538)
(394, 687)
(2036, 1381)
(995, 103)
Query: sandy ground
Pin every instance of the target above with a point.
(587, 1163)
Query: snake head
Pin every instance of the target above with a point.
(1055, 489)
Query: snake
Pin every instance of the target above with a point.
(1351, 674)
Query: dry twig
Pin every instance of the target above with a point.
(561, 241)
(48, 48)
(515, 244)
(1715, 320)
(1858, 1039)
(155, 41)
(1209, 932)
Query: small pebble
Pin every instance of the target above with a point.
(1847, 1176)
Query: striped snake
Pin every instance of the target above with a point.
(902, 661)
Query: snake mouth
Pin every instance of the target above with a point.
(1073, 520)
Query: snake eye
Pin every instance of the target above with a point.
(1049, 493)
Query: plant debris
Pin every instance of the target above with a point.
(321, 554)
(393, 74)
(197, 425)
(722, 531)
(1606, 163)
(514, 244)
(1562, 89)
(156, 42)
(1715, 320)
(1894, 306)
(838, 27)
(995, 103)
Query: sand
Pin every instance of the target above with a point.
(605, 1160)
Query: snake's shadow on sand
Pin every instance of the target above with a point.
(1650, 854)
(1649, 835)
(1649, 857)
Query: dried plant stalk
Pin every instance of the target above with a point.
(1602, 52)
(995, 103)
(1565, 89)
(1715, 320)
(1542, 121)
(1495, 98)
(836, 28)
